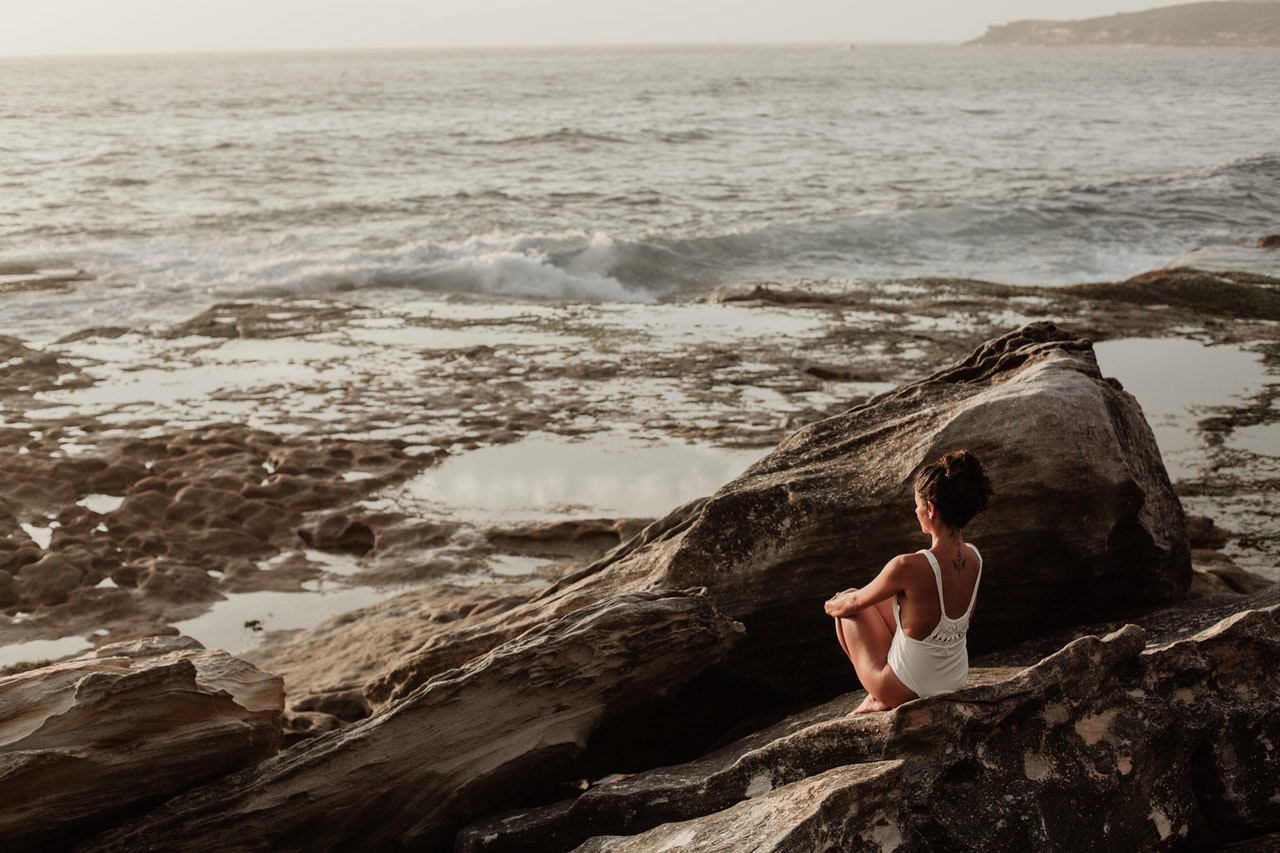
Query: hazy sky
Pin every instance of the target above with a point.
(132, 26)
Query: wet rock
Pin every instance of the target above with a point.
(28, 371)
(88, 740)
(341, 533)
(16, 554)
(8, 591)
(1204, 532)
(193, 499)
(1084, 522)
(253, 320)
(1217, 574)
(413, 774)
(175, 582)
(49, 580)
(1227, 294)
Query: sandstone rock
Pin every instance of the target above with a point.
(1084, 523)
(49, 580)
(1109, 744)
(1251, 292)
(339, 532)
(90, 739)
(1205, 533)
(1216, 574)
(347, 705)
(327, 665)
(303, 725)
(463, 743)
(176, 582)
(843, 809)
(8, 595)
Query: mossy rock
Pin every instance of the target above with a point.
(1225, 294)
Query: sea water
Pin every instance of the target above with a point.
(636, 174)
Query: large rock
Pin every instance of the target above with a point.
(1111, 743)
(1085, 523)
(126, 726)
(461, 745)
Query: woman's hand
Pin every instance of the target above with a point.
(838, 605)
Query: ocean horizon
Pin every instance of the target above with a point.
(643, 174)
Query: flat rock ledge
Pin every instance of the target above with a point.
(1108, 744)
(459, 747)
(89, 740)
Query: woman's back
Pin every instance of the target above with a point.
(937, 662)
(919, 609)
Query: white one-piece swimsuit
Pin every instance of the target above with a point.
(940, 662)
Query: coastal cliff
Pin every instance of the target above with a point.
(1218, 24)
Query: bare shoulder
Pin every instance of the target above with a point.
(909, 565)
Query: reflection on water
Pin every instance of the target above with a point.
(38, 650)
(1263, 439)
(546, 476)
(237, 624)
(1174, 380)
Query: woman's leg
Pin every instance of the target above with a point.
(865, 638)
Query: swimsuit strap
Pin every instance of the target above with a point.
(976, 581)
(937, 577)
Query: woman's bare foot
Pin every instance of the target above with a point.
(870, 705)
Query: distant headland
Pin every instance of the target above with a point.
(1230, 23)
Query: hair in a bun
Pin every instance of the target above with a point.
(956, 485)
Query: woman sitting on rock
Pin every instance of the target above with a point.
(914, 646)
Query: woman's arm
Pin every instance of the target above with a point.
(886, 584)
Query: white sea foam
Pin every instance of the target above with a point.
(615, 174)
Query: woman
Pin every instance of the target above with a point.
(905, 631)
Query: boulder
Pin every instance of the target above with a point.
(49, 580)
(1084, 525)
(87, 740)
(458, 747)
(1118, 742)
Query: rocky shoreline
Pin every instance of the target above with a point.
(1252, 23)
(154, 506)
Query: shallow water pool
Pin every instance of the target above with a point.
(1176, 381)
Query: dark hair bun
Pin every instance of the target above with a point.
(957, 485)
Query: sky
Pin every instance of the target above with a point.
(41, 27)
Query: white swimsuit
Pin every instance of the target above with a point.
(940, 662)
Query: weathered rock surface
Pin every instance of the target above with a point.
(1084, 524)
(1253, 295)
(176, 507)
(87, 740)
(1258, 259)
(458, 747)
(327, 665)
(1124, 742)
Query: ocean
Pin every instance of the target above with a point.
(616, 174)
